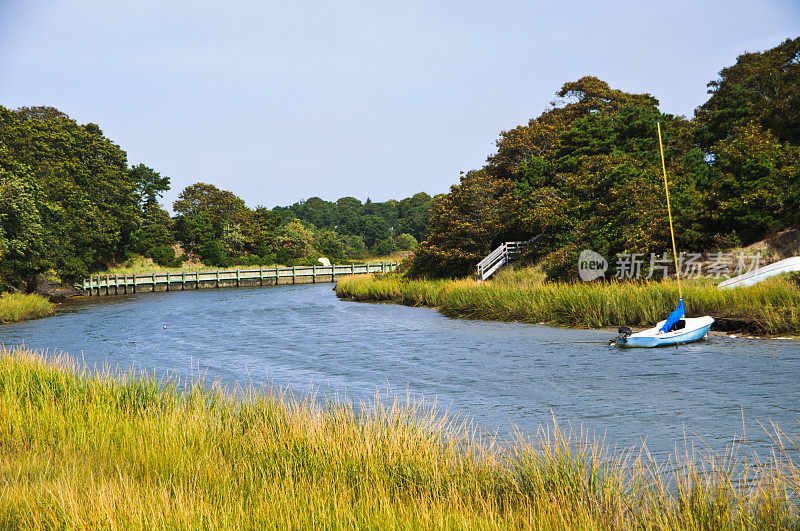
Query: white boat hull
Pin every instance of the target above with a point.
(788, 265)
(696, 328)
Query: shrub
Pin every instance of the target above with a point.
(386, 246)
(213, 254)
(406, 242)
(163, 255)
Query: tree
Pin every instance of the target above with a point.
(80, 186)
(542, 136)
(149, 184)
(763, 88)
(21, 229)
(754, 187)
(203, 209)
(405, 242)
(329, 244)
(413, 215)
(374, 229)
(232, 237)
(585, 174)
(156, 227)
(294, 240)
(463, 226)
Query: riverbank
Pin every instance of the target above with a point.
(114, 450)
(19, 307)
(769, 308)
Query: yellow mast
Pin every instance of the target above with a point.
(669, 212)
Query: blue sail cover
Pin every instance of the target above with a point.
(674, 317)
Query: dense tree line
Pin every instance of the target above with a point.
(583, 174)
(71, 204)
(217, 225)
(586, 173)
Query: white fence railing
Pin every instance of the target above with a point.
(507, 252)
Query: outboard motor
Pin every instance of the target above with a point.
(624, 332)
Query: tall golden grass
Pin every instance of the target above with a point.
(770, 307)
(18, 307)
(115, 450)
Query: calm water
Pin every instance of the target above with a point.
(500, 374)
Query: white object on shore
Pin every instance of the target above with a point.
(695, 328)
(324, 261)
(762, 273)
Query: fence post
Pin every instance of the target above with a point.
(353, 269)
(237, 278)
(116, 283)
(261, 276)
(183, 280)
(294, 274)
(167, 280)
(217, 277)
(313, 273)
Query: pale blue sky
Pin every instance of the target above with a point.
(281, 101)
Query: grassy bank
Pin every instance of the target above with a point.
(771, 307)
(116, 451)
(18, 307)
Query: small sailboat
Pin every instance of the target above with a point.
(676, 328)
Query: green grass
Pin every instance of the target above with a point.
(111, 450)
(18, 307)
(770, 307)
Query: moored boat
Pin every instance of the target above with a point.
(676, 328)
(685, 330)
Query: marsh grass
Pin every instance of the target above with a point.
(18, 307)
(770, 307)
(118, 450)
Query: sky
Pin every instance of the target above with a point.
(282, 101)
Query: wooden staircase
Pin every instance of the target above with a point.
(504, 254)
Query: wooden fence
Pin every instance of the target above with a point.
(177, 281)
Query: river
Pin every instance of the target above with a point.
(500, 375)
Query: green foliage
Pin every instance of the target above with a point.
(385, 247)
(754, 187)
(213, 253)
(156, 227)
(762, 88)
(203, 210)
(164, 255)
(232, 237)
(21, 229)
(329, 244)
(150, 185)
(295, 240)
(405, 242)
(587, 174)
(463, 225)
(354, 247)
(371, 221)
(80, 185)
